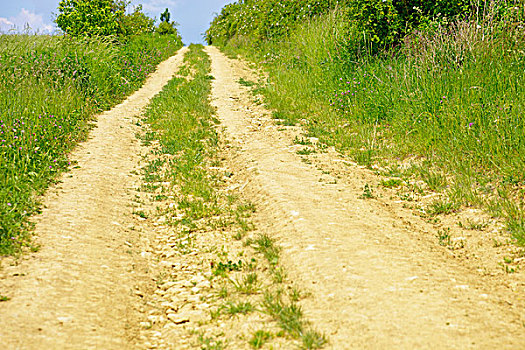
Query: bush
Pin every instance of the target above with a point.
(166, 28)
(375, 24)
(138, 23)
(263, 20)
(385, 23)
(103, 18)
(90, 17)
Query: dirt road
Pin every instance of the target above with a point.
(374, 280)
(373, 284)
(76, 292)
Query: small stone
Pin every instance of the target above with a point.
(461, 286)
(194, 298)
(203, 306)
(165, 263)
(170, 305)
(65, 319)
(178, 319)
(145, 325)
(153, 319)
(174, 291)
(168, 285)
(204, 284)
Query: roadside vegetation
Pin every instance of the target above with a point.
(50, 89)
(193, 194)
(432, 91)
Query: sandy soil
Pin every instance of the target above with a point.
(77, 291)
(376, 280)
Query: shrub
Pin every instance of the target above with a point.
(103, 18)
(138, 23)
(90, 17)
(166, 28)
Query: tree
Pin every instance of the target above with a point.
(137, 22)
(165, 26)
(165, 16)
(91, 17)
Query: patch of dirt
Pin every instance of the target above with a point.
(77, 290)
(377, 275)
(182, 305)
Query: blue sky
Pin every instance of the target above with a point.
(193, 16)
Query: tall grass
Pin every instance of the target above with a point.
(50, 87)
(450, 98)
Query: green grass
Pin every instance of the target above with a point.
(247, 284)
(434, 180)
(447, 102)
(290, 318)
(242, 307)
(259, 339)
(392, 183)
(305, 151)
(265, 245)
(473, 225)
(302, 141)
(182, 119)
(368, 193)
(50, 87)
(246, 83)
(440, 206)
(210, 343)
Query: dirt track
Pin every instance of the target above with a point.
(373, 282)
(76, 292)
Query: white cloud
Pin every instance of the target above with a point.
(5, 22)
(26, 19)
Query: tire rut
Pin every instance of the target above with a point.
(76, 292)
